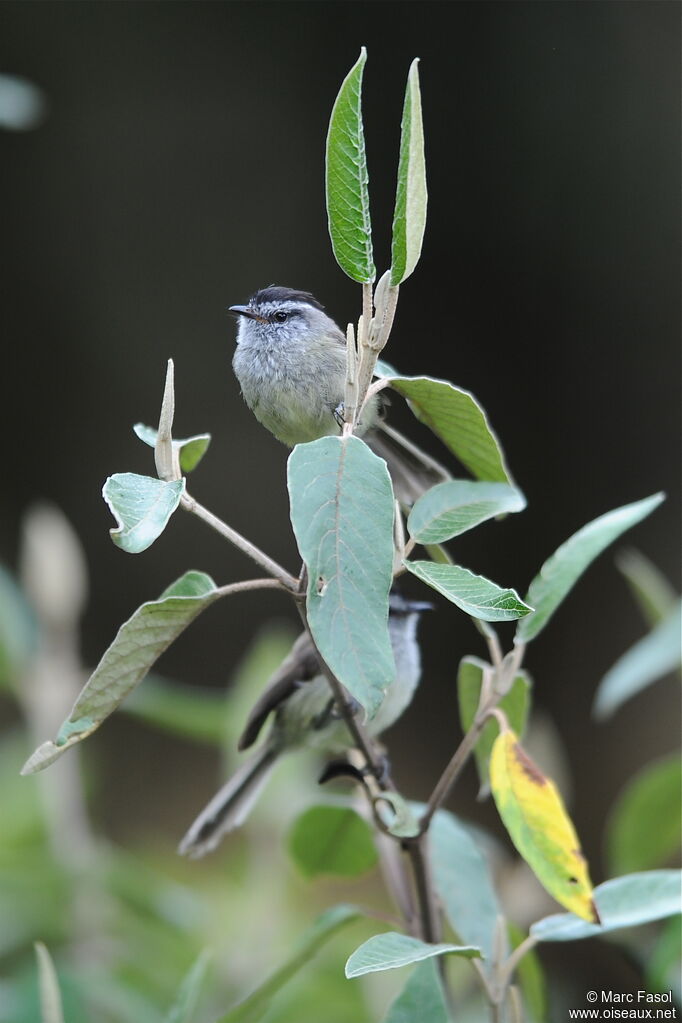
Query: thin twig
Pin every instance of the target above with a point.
(515, 958)
(244, 545)
(250, 584)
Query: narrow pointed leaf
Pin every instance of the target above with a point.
(184, 1008)
(190, 449)
(50, 997)
(622, 902)
(409, 218)
(645, 824)
(474, 594)
(332, 840)
(453, 507)
(464, 885)
(197, 713)
(649, 659)
(456, 417)
(347, 179)
(560, 572)
(342, 513)
(137, 645)
(392, 950)
(515, 704)
(534, 815)
(422, 998)
(650, 588)
(142, 506)
(325, 927)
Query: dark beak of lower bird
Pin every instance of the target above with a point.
(244, 310)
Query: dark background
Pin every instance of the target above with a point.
(180, 167)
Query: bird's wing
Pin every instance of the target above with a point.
(300, 665)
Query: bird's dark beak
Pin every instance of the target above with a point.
(244, 310)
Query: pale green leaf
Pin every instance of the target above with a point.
(645, 824)
(650, 588)
(421, 999)
(530, 978)
(137, 645)
(409, 217)
(474, 594)
(256, 1004)
(184, 1008)
(515, 704)
(455, 416)
(392, 950)
(50, 996)
(397, 815)
(342, 514)
(190, 449)
(347, 179)
(464, 884)
(194, 712)
(332, 840)
(622, 902)
(649, 659)
(18, 630)
(562, 570)
(453, 507)
(142, 506)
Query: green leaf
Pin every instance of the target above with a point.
(464, 885)
(392, 950)
(474, 594)
(455, 416)
(422, 998)
(650, 588)
(137, 645)
(332, 840)
(645, 824)
(649, 659)
(559, 573)
(255, 1005)
(350, 228)
(515, 704)
(342, 514)
(663, 960)
(184, 1008)
(455, 506)
(197, 713)
(50, 996)
(409, 217)
(142, 506)
(190, 450)
(622, 902)
(531, 978)
(400, 820)
(18, 630)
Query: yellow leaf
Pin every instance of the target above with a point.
(536, 819)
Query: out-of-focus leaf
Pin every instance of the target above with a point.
(142, 506)
(392, 950)
(332, 840)
(455, 416)
(421, 999)
(534, 815)
(50, 995)
(531, 979)
(464, 885)
(397, 815)
(409, 217)
(453, 507)
(515, 704)
(350, 227)
(645, 824)
(190, 711)
(254, 1007)
(137, 645)
(663, 963)
(190, 449)
(184, 1008)
(18, 630)
(649, 659)
(473, 594)
(621, 902)
(563, 569)
(342, 514)
(650, 588)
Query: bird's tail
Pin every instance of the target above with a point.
(412, 470)
(230, 807)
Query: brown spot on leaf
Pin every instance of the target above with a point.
(595, 913)
(528, 767)
(321, 585)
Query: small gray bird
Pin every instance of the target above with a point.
(299, 697)
(290, 361)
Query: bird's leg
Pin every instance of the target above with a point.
(339, 414)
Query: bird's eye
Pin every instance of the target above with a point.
(281, 316)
